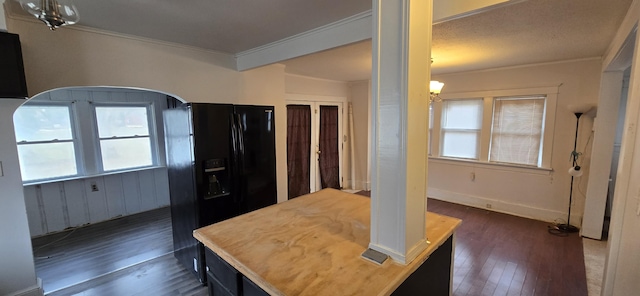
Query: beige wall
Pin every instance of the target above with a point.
(296, 84)
(537, 194)
(533, 193)
(77, 57)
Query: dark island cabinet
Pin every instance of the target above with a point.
(224, 280)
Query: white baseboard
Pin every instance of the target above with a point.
(35, 290)
(357, 185)
(501, 206)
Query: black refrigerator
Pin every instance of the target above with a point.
(221, 163)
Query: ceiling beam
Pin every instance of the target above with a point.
(352, 29)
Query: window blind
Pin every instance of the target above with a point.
(517, 129)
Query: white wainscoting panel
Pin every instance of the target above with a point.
(77, 206)
(115, 196)
(131, 194)
(36, 224)
(147, 190)
(96, 200)
(54, 207)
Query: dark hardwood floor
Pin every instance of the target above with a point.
(500, 254)
(496, 254)
(131, 255)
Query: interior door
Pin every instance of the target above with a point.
(325, 143)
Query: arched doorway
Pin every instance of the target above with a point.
(87, 211)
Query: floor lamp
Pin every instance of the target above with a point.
(575, 170)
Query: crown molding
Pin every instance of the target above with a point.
(81, 28)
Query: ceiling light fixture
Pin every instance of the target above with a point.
(435, 87)
(54, 13)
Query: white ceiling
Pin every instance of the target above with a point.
(532, 31)
(230, 26)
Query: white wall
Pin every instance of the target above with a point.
(603, 151)
(17, 272)
(538, 194)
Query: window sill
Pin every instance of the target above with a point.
(491, 165)
(79, 177)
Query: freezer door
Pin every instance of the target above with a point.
(258, 157)
(213, 162)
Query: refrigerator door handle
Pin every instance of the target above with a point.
(235, 157)
(240, 139)
(240, 159)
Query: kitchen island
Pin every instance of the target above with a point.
(312, 245)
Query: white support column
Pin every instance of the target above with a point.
(401, 73)
(3, 20)
(603, 142)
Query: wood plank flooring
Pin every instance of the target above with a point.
(500, 254)
(105, 257)
(496, 254)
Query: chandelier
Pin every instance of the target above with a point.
(54, 13)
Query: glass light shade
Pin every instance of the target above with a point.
(435, 87)
(54, 13)
(575, 171)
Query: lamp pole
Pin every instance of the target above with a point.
(574, 155)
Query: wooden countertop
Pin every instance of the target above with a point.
(311, 245)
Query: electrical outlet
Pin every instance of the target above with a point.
(472, 176)
(488, 206)
(94, 187)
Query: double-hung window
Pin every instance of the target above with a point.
(46, 141)
(75, 133)
(461, 126)
(507, 127)
(517, 129)
(124, 136)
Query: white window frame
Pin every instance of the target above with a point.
(75, 139)
(551, 94)
(151, 126)
(479, 131)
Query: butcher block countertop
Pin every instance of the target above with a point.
(312, 245)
